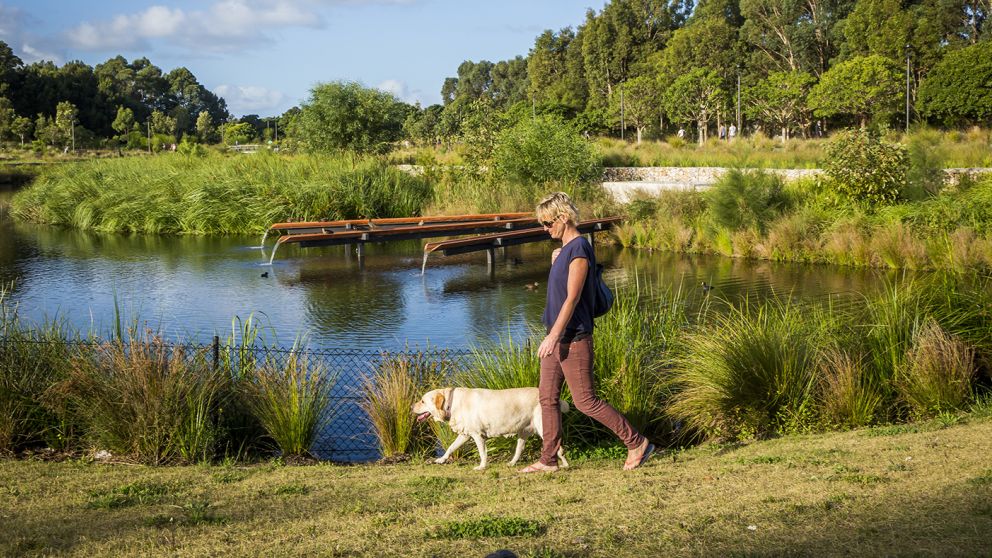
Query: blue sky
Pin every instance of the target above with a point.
(263, 56)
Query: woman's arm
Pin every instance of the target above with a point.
(578, 268)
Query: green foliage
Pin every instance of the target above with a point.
(938, 373)
(751, 372)
(746, 199)
(138, 397)
(390, 392)
(291, 400)
(215, 194)
(695, 96)
(861, 87)
(236, 133)
(136, 493)
(959, 88)
(780, 100)
(124, 120)
(345, 115)
(865, 169)
(544, 150)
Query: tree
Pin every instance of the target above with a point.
(861, 87)
(346, 115)
(509, 82)
(204, 126)
(124, 121)
(959, 89)
(696, 96)
(7, 116)
(163, 124)
(544, 149)
(780, 99)
(236, 133)
(65, 122)
(641, 103)
(21, 128)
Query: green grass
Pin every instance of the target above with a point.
(833, 494)
(217, 194)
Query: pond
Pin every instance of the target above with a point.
(191, 288)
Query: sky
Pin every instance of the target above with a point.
(263, 56)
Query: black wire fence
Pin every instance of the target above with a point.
(347, 433)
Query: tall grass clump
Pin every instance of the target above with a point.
(503, 365)
(938, 373)
(291, 400)
(746, 199)
(750, 372)
(32, 360)
(144, 399)
(631, 356)
(217, 194)
(849, 397)
(388, 395)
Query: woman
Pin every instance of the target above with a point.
(566, 352)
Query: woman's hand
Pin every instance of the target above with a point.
(547, 347)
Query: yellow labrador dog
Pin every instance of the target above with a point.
(481, 414)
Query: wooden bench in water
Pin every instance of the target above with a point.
(360, 231)
(490, 242)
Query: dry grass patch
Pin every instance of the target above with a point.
(912, 492)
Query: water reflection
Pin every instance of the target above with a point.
(192, 287)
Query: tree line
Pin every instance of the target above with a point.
(786, 67)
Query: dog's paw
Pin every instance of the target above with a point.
(480, 468)
(441, 460)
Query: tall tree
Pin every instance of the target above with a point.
(696, 96)
(641, 97)
(346, 115)
(959, 88)
(862, 87)
(780, 99)
(509, 82)
(124, 121)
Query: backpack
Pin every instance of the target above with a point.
(603, 299)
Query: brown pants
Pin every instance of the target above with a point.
(572, 363)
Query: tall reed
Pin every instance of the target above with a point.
(938, 373)
(291, 400)
(750, 371)
(145, 399)
(32, 360)
(850, 399)
(388, 395)
(218, 194)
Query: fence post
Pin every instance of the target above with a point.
(216, 351)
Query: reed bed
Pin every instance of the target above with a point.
(750, 215)
(217, 194)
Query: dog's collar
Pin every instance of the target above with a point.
(446, 411)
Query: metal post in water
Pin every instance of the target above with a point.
(216, 349)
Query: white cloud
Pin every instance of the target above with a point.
(223, 26)
(14, 25)
(400, 90)
(250, 99)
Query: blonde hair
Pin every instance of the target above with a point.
(555, 205)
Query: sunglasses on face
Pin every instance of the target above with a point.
(548, 224)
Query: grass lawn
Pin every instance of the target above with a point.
(923, 489)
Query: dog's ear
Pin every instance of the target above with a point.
(439, 405)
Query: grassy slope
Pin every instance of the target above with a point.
(909, 490)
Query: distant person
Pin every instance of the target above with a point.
(681, 133)
(723, 132)
(566, 352)
(732, 131)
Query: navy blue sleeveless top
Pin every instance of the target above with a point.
(582, 320)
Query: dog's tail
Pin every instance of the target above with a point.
(564, 405)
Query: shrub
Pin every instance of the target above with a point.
(290, 401)
(746, 199)
(545, 149)
(142, 398)
(865, 169)
(388, 396)
(751, 372)
(849, 398)
(938, 372)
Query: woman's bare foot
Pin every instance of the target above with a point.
(539, 468)
(637, 457)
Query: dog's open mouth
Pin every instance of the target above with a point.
(423, 416)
